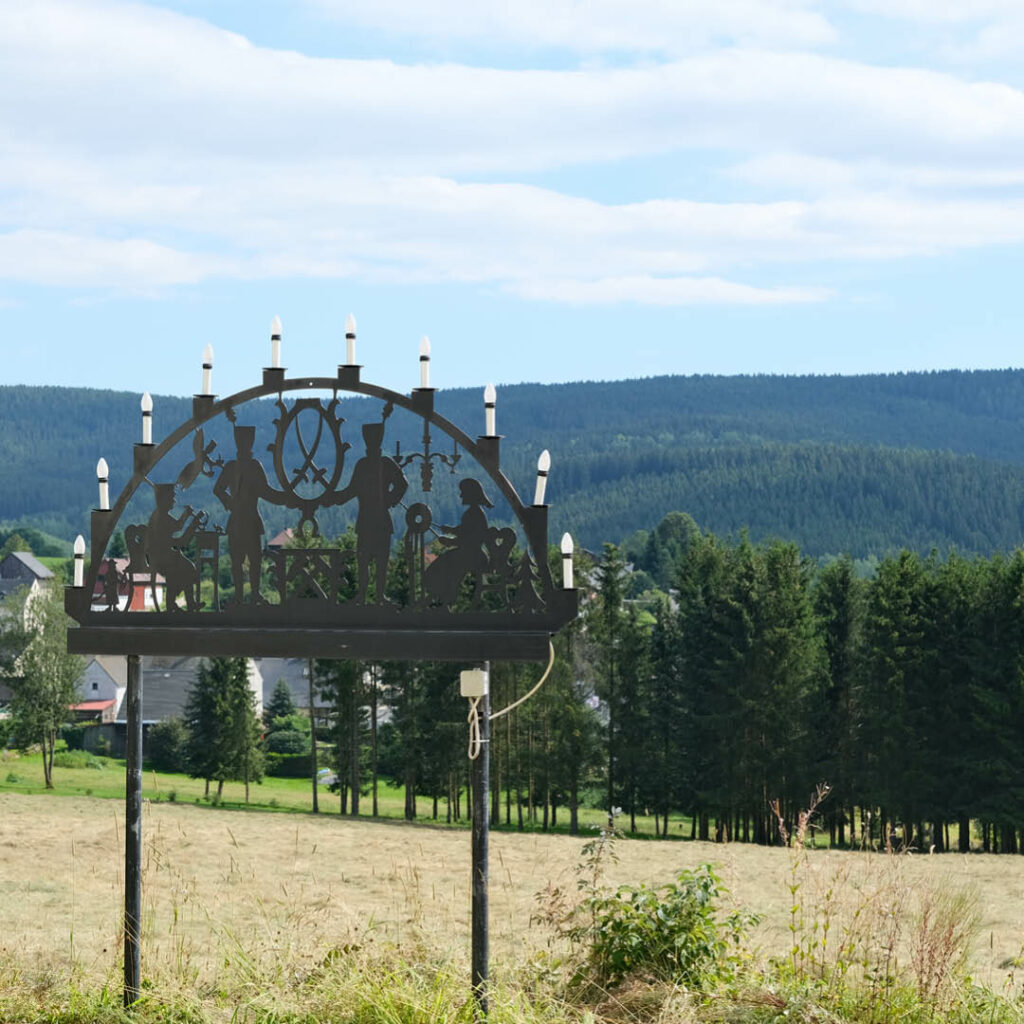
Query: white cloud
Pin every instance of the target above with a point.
(824, 175)
(147, 149)
(949, 11)
(57, 258)
(665, 291)
(595, 26)
(134, 82)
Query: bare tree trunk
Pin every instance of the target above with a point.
(354, 746)
(48, 745)
(312, 735)
(373, 735)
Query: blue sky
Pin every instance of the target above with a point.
(551, 190)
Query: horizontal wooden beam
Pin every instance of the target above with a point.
(343, 644)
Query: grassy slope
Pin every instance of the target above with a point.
(24, 774)
(255, 914)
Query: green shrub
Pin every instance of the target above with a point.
(166, 743)
(295, 722)
(13, 777)
(74, 736)
(671, 933)
(76, 759)
(288, 766)
(286, 741)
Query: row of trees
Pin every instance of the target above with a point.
(761, 676)
(904, 691)
(735, 674)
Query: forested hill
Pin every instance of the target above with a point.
(864, 464)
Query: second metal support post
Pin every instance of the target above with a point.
(481, 824)
(133, 833)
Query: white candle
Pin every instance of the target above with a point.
(490, 415)
(350, 340)
(207, 369)
(103, 478)
(79, 561)
(543, 465)
(566, 562)
(424, 362)
(275, 342)
(147, 418)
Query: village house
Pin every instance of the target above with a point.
(18, 570)
(166, 682)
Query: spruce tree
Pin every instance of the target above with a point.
(280, 705)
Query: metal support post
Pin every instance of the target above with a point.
(481, 810)
(133, 832)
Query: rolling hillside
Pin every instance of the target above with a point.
(865, 464)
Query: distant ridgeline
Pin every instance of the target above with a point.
(866, 464)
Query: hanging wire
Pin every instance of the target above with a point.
(526, 697)
(475, 742)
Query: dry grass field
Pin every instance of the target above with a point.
(254, 892)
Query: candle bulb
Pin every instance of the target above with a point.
(147, 418)
(490, 401)
(350, 340)
(275, 342)
(103, 478)
(424, 362)
(543, 465)
(207, 369)
(566, 562)
(79, 561)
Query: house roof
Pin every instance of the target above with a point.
(165, 686)
(8, 587)
(115, 666)
(93, 705)
(282, 539)
(30, 562)
(166, 682)
(294, 672)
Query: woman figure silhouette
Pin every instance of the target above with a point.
(465, 551)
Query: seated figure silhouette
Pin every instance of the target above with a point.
(165, 536)
(465, 546)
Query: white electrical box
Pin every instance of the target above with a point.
(473, 682)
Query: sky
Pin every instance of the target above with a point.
(552, 190)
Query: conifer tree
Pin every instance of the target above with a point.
(607, 627)
(280, 705)
(223, 727)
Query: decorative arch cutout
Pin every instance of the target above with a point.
(466, 590)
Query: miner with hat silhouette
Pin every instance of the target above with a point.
(378, 485)
(241, 484)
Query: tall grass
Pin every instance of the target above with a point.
(269, 919)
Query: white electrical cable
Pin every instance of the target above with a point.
(475, 741)
(543, 680)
